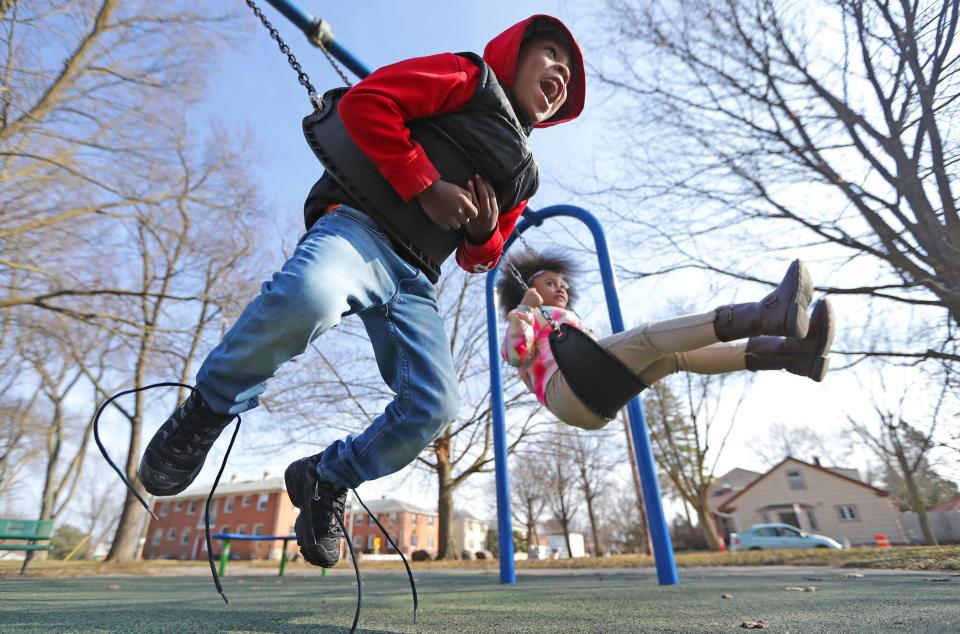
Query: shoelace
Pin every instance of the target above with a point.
(123, 477)
(213, 489)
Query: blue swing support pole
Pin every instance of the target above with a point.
(656, 520)
(319, 34)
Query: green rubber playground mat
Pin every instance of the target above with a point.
(548, 601)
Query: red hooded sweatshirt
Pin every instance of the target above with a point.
(376, 111)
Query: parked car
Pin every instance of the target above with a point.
(770, 536)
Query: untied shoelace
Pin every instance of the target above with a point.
(213, 489)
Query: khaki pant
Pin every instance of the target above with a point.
(653, 351)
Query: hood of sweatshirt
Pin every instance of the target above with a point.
(502, 52)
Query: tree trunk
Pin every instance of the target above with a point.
(707, 527)
(445, 488)
(916, 501)
(597, 546)
(637, 486)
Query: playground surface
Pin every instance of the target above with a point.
(590, 600)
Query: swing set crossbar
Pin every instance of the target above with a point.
(659, 532)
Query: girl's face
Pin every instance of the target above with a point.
(552, 288)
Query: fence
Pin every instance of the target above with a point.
(945, 526)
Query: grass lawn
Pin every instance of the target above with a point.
(602, 600)
(932, 558)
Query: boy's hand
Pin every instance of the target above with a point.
(448, 206)
(532, 299)
(488, 209)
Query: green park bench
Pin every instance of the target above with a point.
(30, 531)
(227, 538)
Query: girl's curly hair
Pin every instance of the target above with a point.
(510, 292)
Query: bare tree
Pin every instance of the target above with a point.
(903, 449)
(592, 457)
(777, 126)
(528, 496)
(802, 442)
(685, 441)
(560, 474)
(83, 133)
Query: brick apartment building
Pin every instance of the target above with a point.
(412, 527)
(263, 508)
(251, 508)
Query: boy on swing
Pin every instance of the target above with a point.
(346, 264)
(774, 333)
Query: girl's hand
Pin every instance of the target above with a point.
(488, 210)
(448, 206)
(532, 298)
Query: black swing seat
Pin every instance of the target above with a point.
(600, 380)
(416, 237)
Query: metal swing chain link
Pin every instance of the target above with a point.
(301, 74)
(333, 62)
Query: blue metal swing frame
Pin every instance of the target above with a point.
(659, 533)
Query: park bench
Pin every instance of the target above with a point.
(30, 531)
(230, 537)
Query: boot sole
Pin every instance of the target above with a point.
(819, 368)
(829, 330)
(798, 321)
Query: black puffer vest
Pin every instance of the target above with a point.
(485, 137)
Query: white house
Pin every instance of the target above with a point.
(469, 533)
(828, 501)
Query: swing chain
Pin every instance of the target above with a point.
(333, 62)
(301, 74)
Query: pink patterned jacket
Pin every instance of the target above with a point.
(527, 348)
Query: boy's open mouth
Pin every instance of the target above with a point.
(551, 88)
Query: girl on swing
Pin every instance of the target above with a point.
(774, 333)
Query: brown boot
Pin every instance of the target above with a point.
(781, 313)
(804, 357)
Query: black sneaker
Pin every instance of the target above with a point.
(319, 526)
(175, 454)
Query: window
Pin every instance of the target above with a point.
(178, 506)
(164, 508)
(227, 504)
(245, 501)
(358, 541)
(262, 502)
(765, 532)
(157, 536)
(258, 529)
(795, 480)
(242, 529)
(812, 518)
(185, 537)
(848, 513)
(429, 542)
(787, 531)
(393, 516)
(171, 534)
(369, 542)
(192, 507)
(413, 540)
(371, 521)
(224, 529)
(413, 518)
(358, 519)
(429, 520)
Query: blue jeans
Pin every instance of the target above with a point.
(345, 265)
